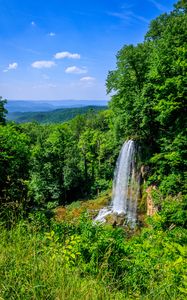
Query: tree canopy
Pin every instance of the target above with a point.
(149, 101)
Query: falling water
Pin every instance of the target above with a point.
(125, 187)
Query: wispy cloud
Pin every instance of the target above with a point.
(123, 16)
(87, 79)
(40, 64)
(51, 33)
(12, 66)
(140, 18)
(128, 16)
(76, 70)
(66, 54)
(158, 5)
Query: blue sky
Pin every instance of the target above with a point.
(56, 49)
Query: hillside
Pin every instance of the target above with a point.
(54, 116)
(49, 105)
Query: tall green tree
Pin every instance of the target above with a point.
(127, 83)
(3, 111)
(14, 167)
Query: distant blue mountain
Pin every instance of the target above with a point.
(48, 105)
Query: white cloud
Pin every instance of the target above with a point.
(76, 70)
(52, 34)
(33, 23)
(40, 64)
(12, 66)
(67, 54)
(87, 79)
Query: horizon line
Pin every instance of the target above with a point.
(58, 99)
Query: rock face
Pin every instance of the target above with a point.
(151, 208)
(116, 219)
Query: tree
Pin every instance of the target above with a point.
(14, 168)
(127, 83)
(3, 111)
(47, 162)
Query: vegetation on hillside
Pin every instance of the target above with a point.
(43, 259)
(56, 164)
(149, 101)
(43, 166)
(55, 116)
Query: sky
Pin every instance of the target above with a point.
(59, 49)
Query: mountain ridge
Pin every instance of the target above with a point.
(58, 115)
(49, 105)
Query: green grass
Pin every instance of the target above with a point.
(44, 259)
(33, 268)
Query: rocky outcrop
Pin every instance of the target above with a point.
(144, 171)
(116, 219)
(151, 208)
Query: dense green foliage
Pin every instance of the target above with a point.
(56, 164)
(3, 111)
(14, 169)
(55, 116)
(49, 260)
(149, 102)
(42, 166)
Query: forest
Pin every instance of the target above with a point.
(54, 177)
(55, 116)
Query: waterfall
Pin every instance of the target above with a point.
(125, 187)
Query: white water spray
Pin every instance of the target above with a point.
(125, 187)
